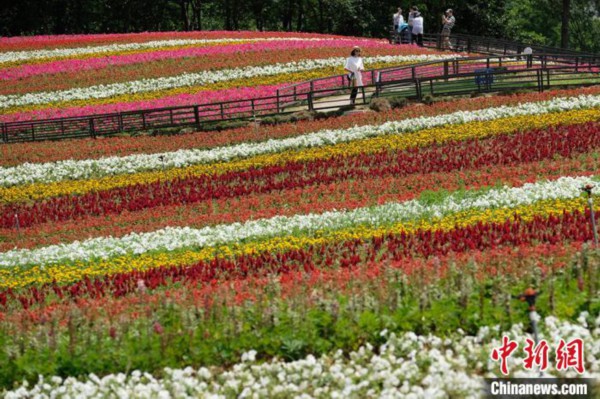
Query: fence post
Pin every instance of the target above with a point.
(197, 116)
(309, 100)
(278, 107)
(540, 81)
(120, 122)
(418, 89)
(222, 112)
(446, 70)
(4, 133)
(143, 121)
(414, 73)
(576, 64)
(92, 129)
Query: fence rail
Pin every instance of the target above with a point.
(508, 71)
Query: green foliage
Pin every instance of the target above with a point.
(539, 21)
(170, 334)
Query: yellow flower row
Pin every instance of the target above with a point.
(224, 85)
(39, 191)
(121, 52)
(64, 273)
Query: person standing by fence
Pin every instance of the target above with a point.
(417, 29)
(411, 17)
(354, 66)
(448, 21)
(398, 19)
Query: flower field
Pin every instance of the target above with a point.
(366, 255)
(82, 77)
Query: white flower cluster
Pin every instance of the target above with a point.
(406, 366)
(172, 238)
(84, 169)
(12, 56)
(190, 79)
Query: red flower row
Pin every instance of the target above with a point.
(395, 248)
(517, 262)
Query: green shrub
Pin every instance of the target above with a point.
(380, 105)
(428, 99)
(398, 102)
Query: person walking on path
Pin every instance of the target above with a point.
(354, 66)
(448, 21)
(417, 29)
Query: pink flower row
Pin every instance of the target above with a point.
(202, 97)
(75, 65)
(22, 43)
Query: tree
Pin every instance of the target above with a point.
(564, 29)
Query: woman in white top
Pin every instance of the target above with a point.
(398, 19)
(354, 66)
(417, 29)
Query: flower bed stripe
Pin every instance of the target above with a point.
(352, 141)
(57, 171)
(463, 225)
(328, 263)
(170, 239)
(12, 57)
(188, 95)
(218, 92)
(190, 79)
(251, 49)
(529, 146)
(348, 194)
(38, 152)
(24, 43)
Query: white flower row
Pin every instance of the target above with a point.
(12, 56)
(83, 169)
(173, 238)
(406, 366)
(191, 79)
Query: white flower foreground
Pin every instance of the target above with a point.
(194, 79)
(107, 166)
(173, 238)
(406, 366)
